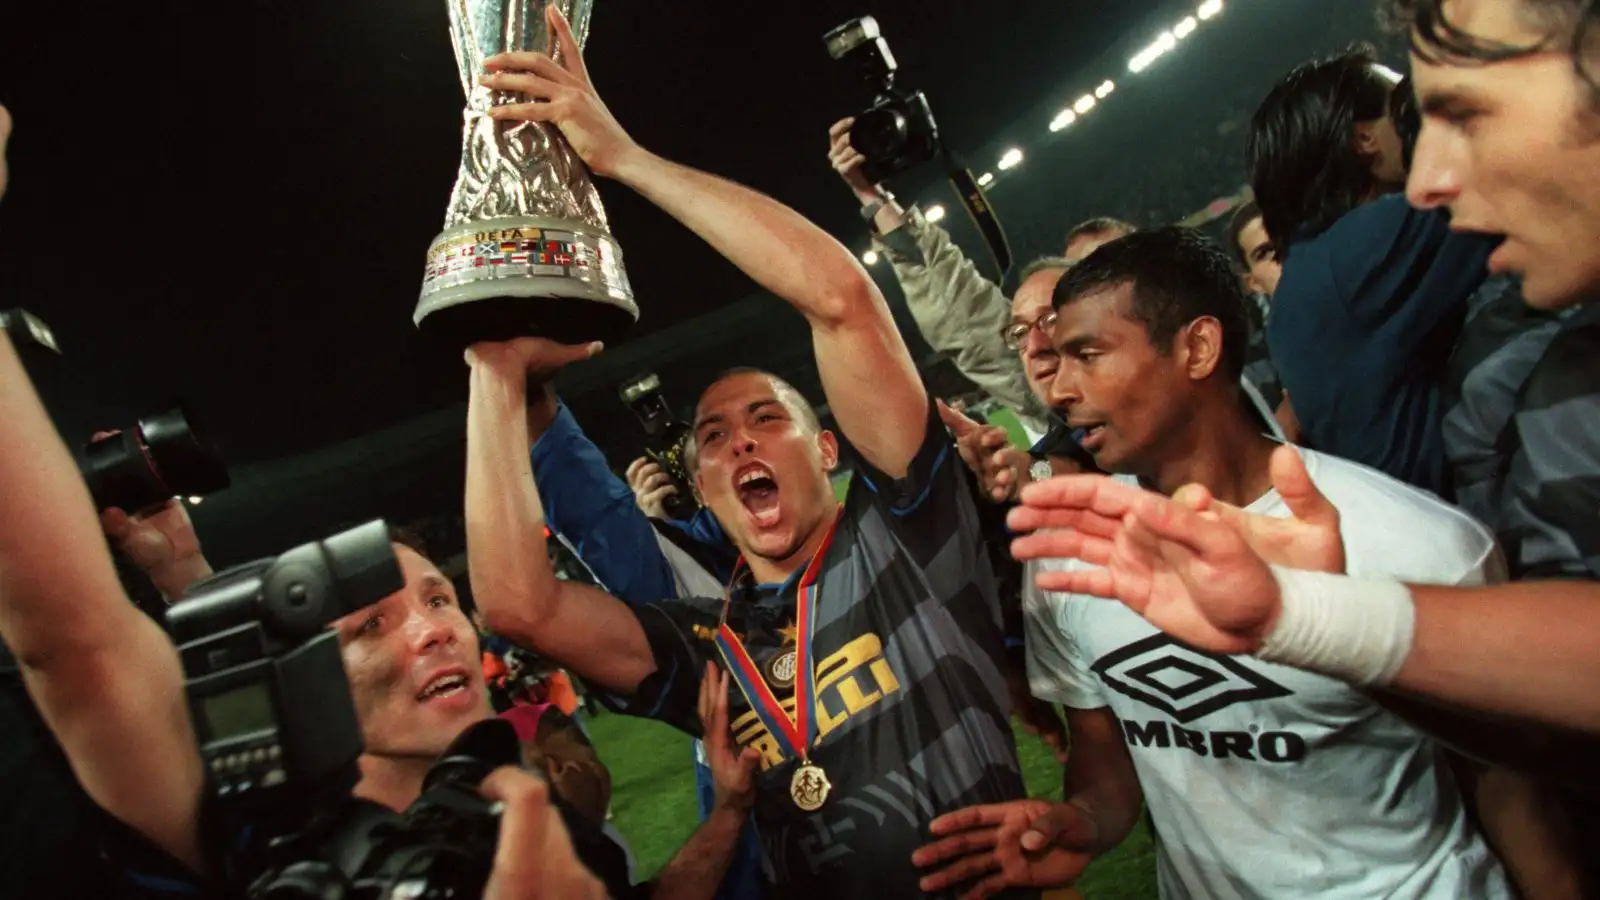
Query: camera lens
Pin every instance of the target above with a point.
(879, 134)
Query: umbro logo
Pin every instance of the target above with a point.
(1181, 681)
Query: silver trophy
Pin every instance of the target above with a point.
(525, 248)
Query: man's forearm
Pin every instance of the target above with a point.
(52, 550)
(698, 868)
(771, 243)
(508, 561)
(96, 667)
(1528, 649)
(1113, 814)
(1525, 649)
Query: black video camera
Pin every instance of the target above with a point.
(163, 455)
(266, 682)
(442, 846)
(666, 440)
(279, 734)
(897, 132)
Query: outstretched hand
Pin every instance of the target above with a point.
(1201, 575)
(539, 358)
(1309, 539)
(561, 94)
(1021, 843)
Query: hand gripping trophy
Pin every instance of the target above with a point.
(525, 248)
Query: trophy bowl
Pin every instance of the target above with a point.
(526, 250)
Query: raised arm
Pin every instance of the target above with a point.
(591, 507)
(513, 582)
(871, 384)
(105, 676)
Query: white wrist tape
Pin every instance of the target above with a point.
(1354, 629)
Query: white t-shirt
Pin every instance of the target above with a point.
(1265, 781)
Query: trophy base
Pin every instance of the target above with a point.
(525, 276)
(566, 320)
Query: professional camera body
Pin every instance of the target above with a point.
(163, 455)
(280, 739)
(666, 439)
(897, 132)
(267, 689)
(441, 846)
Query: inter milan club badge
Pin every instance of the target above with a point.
(809, 787)
(781, 668)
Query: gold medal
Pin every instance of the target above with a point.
(809, 787)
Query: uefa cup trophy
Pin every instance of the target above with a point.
(525, 248)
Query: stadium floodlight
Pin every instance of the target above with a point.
(1010, 159)
(1185, 28)
(1105, 89)
(985, 179)
(1208, 9)
(1148, 55)
(1063, 119)
(870, 257)
(934, 213)
(1084, 104)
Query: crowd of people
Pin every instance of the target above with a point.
(1299, 565)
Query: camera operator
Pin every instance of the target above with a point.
(958, 310)
(109, 684)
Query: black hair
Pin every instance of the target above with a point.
(1436, 39)
(785, 391)
(411, 538)
(1243, 215)
(1178, 275)
(1407, 118)
(1098, 225)
(1304, 167)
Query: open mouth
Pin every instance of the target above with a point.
(1090, 435)
(446, 685)
(758, 491)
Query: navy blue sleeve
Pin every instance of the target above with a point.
(1385, 289)
(680, 637)
(703, 538)
(926, 506)
(595, 511)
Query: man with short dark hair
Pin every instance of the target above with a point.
(1262, 781)
(1373, 292)
(1087, 236)
(1247, 238)
(1509, 146)
(865, 637)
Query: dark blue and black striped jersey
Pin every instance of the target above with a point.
(911, 703)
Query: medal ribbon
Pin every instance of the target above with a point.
(795, 734)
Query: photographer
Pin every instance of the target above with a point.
(109, 684)
(957, 309)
